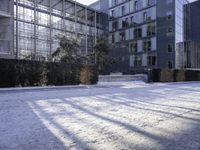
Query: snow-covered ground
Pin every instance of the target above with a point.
(109, 116)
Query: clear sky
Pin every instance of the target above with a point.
(87, 2)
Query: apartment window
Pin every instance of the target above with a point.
(133, 47)
(113, 38)
(169, 15)
(170, 64)
(147, 45)
(125, 23)
(169, 30)
(114, 2)
(115, 25)
(147, 16)
(138, 33)
(148, 3)
(138, 61)
(132, 20)
(135, 19)
(98, 19)
(151, 2)
(123, 10)
(151, 29)
(169, 48)
(122, 36)
(152, 60)
(113, 13)
(136, 5)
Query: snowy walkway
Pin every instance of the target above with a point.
(132, 115)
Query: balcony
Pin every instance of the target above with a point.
(4, 14)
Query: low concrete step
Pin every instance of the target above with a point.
(119, 78)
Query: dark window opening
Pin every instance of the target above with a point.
(152, 60)
(170, 64)
(169, 48)
(138, 33)
(122, 36)
(133, 47)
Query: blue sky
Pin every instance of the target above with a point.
(87, 2)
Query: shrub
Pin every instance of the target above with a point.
(33, 73)
(7, 74)
(44, 75)
(180, 75)
(155, 75)
(192, 75)
(167, 75)
(88, 75)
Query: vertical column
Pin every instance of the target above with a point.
(17, 30)
(50, 32)
(63, 16)
(95, 36)
(86, 31)
(12, 26)
(188, 30)
(76, 18)
(191, 55)
(35, 36)
(95, 26)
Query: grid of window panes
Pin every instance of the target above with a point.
(40, 22)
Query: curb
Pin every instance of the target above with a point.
(18, 89)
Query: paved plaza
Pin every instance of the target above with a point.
(108, 116)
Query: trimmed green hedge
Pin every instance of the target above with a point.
(33, 73)
(170, 75)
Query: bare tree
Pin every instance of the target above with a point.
(101, 50)
(67, 50)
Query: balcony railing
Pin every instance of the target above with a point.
(4, 14)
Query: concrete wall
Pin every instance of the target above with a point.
(192, 23)
(6, 29)
(100, 5)
(194, 19)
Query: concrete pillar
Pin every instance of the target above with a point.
(86, 34)
(17, 31)
(95, 26)
(63, 16)
(50, 29)
(35, 36)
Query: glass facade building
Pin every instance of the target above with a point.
(36, 23)
(143, 34)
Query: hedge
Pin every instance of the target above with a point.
(88, 75)
(33, 73)
(170, 75)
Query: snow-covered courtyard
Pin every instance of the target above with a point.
(108, 116)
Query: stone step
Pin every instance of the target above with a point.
(119, 78)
